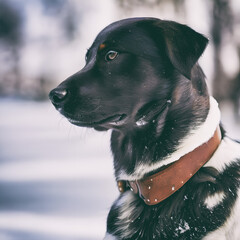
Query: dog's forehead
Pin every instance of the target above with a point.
(129, 35)
(125, 24)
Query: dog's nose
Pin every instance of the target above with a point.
(58, 96)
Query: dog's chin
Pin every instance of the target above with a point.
(114, 121)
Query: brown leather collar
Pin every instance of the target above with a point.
(159, 186)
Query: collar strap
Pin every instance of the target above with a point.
(159, 186)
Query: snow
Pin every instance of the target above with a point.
(56, 180)
(63, 226)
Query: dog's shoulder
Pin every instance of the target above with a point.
(231, 228)
(227, 161)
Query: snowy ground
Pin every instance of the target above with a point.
(56, 180)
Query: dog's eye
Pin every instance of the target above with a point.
(111, 55)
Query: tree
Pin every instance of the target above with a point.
(11, 40)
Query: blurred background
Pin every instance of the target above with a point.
(53, 186)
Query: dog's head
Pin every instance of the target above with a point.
(131, 73)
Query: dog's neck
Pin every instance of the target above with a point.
(159, 186)
(143, 166)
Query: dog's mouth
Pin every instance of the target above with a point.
(144, 116)
(115, 120)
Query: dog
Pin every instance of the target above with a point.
(176, 169)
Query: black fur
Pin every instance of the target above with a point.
(150, 94)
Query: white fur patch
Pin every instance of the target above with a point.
(213, 200)
(126, 208)
(195, 138)
(231, 229)
(227, 152)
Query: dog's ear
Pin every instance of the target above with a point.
(183, 45)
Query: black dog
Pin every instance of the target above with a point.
(142, 80)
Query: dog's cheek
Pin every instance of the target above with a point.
(120, 69)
